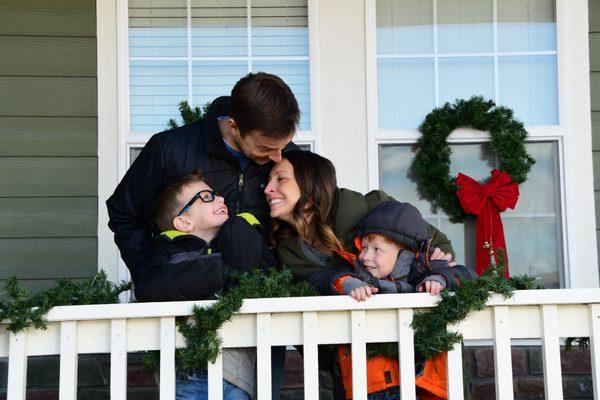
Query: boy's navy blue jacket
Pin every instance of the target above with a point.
(185, 267)
(166, 157)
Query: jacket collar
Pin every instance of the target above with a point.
(213, 138)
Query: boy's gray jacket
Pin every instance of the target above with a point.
(167, 156)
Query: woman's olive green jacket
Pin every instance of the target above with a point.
(350, 208)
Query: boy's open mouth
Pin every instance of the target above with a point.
(221, 210)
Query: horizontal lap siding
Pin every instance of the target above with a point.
(48, 136)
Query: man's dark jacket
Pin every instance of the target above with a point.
(166, 157)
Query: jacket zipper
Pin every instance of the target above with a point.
(240, 187)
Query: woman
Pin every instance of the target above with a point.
(313, 218)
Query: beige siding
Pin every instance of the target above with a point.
(48, 136)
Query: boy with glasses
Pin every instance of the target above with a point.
(197, 233)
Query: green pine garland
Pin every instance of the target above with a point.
(431, 165)
(203, 343)
(23, 309)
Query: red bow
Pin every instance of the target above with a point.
(487, 201)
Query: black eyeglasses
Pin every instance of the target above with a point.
(206, 196)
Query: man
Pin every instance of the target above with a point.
(234, 146)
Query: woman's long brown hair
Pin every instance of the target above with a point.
(312, 218)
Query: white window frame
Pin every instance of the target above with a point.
(572, 134)
(113, 99)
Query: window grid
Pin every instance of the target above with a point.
(190, 58)
(436, 55)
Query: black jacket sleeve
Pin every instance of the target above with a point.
(243, 247)
(130, 206)
(323, 280)
(195, 279)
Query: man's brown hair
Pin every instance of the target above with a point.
(265, 103)
(169, 202)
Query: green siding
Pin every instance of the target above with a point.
(48, 18)
(594, 37)
(49, 140)
(49, 136)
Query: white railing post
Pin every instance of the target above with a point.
(263, 355)
(502, 353)
(594, 318)
(118, 359)
(310, 355)
(215, 378)
(359, 355)
(406, 353)
(551, 353)
(454, 371)
(17, 366)
(68, 360)
(167, 358)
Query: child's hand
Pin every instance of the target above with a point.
(440, 255)
(433, 287)
(363, 293)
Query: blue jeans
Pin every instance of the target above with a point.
(392, 393)
(195, 387)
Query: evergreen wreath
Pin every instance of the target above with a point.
(431, 165)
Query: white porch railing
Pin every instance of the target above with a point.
(117, 329)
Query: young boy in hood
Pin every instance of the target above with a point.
(396, 257)
(198, 232)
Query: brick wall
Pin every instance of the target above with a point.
(528, 379)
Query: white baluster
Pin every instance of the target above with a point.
(68, 360)
(455, 373)
(502, 353)
(17, 366)
(167, 358)
(359, 355)
(406, 352)
(215, 378)
(551, 353)
(263, 355)
(310, 355)
(118, 359)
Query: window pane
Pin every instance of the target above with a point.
(405, 91)
(526, 25)
(528, 84)
(156, 88)
(219, 28)
(296, 75)
(465, 26)
(404, 27)
(211, 79)
(532, 230)
(461, 78)
(541, 179)
(156, 29)
(279, 28)
(134, 152)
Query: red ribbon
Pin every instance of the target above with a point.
(487, 201)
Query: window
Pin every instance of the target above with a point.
(431, 52)
(196, 50)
